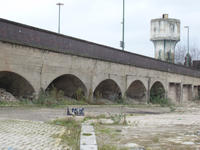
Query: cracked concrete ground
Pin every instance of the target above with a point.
(177, 130)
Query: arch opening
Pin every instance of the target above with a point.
(136, 91)
(16, 85)
(157, 92)
(70, 85)
(108, 89)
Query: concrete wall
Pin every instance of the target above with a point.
(174, 93)
(165, 28)
(196, 92)
(40, 68)
(21, 34)
(187, 93)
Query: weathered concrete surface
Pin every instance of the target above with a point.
(174, 92)
(40, 68)
(178, 130)
(88, 138)
(165, 33)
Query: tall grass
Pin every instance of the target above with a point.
(71, 135)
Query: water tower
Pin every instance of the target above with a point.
(165, 33)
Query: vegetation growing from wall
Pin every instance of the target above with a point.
(79, 95)
(56, 97)
(157, 97)
(51, 98)
(161, 101)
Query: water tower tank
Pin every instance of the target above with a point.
(165, 33)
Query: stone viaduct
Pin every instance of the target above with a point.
(32, 59)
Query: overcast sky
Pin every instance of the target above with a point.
(100, 20)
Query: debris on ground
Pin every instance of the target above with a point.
(6, 96)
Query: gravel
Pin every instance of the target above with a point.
(6, 96)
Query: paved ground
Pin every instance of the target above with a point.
(23, 128)
(29, 135)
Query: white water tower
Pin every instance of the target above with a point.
(165, 33)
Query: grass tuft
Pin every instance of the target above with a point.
(71, 135)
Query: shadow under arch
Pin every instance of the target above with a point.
(157, 91)
(107, 89)
(16, 84)
(136, 91)
(69, 84)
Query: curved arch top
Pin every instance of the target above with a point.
(49, 78)
(136, 91)
(108, 89)
(69, 84)
(139, 81)
(160, 81)
(132, 79)
(16, 84)
(101, 79)
(157, 91)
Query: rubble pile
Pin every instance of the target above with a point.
(6, 96)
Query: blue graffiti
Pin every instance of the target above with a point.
(75, 111)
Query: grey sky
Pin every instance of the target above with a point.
(100, 20)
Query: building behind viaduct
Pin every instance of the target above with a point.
(32, 59)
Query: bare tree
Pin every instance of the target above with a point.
(181, 52)
(195, 53)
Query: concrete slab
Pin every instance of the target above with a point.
(88, 147)
(87, 128)
(88, 138)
